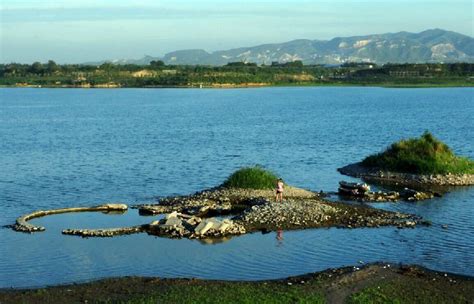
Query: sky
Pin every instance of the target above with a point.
(78, 31)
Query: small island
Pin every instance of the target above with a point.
(423, 162)
(244, 203)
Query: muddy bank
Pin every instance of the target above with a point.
(378, 283)
(417, 181)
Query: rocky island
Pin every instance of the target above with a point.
(422, 163)
(244, 203)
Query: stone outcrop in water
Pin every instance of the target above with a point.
(361, 192)
(183, 225)
(22, 224)
(218, 201)
(105, 232)
(252, 210)
(406, 179)
(299, 214)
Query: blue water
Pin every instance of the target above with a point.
(74, 147)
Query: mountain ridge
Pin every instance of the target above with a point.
(432, 45)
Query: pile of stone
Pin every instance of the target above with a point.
(200, 204)
(361, 192)
(353, 189)
(180, 225)
(381, 196)
(407, 179)
(219, 201)
(392, 196)
(300, 214)
(414, 195)
(288, 214)
(104, 232)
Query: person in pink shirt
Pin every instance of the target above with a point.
(279, 190)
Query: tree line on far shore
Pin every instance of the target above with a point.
(158, 73)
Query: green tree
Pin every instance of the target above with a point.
(52, 67)
(157, 64)
(37, 68)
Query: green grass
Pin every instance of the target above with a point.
(412, 285)
(401, 292)
(232, 293)
(424, 155)
(251, 178)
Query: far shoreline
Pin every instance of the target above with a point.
(237, 86)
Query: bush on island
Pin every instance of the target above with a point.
(424, 155)
(251, 178)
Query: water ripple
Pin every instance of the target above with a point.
(63, 148)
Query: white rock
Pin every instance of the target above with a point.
(116, 206)
(173, 221)
(173, 214)
(203, 227)
(223, 227)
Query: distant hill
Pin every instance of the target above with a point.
(434, 45)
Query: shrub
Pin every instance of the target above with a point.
(251, 178)
(424, 155)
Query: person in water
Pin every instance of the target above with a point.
(279, 190)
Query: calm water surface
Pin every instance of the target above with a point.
(62, 148)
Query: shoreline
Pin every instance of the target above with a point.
(334, 285)
(245, 86)
(417, 181)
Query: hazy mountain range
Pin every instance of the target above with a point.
(434, 45)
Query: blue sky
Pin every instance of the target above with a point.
(84, 30)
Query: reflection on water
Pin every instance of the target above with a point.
(63, 148)
(214, 241)
(279, 238)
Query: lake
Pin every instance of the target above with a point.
(81, 147)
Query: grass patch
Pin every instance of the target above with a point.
(424, 155)
(251, 178)
(232, 293)
(400, 292)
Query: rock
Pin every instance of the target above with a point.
(173, 214)
(173, 222)
(224, 225)
(374, 174)
(115, 206)
(203, 227)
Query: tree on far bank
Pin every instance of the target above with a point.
(52, 66)
(157, 64)
(37, 68)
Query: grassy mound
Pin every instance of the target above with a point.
(251, 178)
(424, 155)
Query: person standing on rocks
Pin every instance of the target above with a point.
(279, 190)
